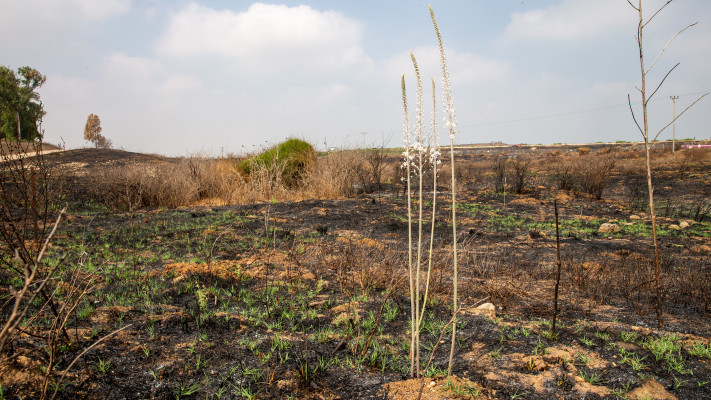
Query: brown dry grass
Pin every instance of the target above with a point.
(200, 180)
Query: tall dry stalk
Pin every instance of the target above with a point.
(407, 166)
(418, 159)
(560, 266)
(450, 122)
(644, 130)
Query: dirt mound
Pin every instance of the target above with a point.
(93, 158)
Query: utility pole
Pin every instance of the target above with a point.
(674, 98)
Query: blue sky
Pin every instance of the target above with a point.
(182, 77)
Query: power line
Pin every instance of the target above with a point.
(565, 114)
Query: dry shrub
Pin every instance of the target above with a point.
(511, 172)
(170, 184)
(500, 168)
(584, 174)
(521, 174)
(196, 179)
(624, 275)
(338, 174)
(470, 173)
(583, 150)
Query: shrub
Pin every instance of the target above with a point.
(584, 174)
(290, 159)
(500, 173)
(521, 168)
(583, 150)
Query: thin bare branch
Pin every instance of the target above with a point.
(666, 45)
(655, 14)
(629, 101)
(632, 5)
(660, 83)
(677, 117)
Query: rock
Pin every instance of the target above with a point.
(683, 224)
(674, 227)
(608, 228)
(487, 307)
(635, 216)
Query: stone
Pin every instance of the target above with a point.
(674, 227)
(683, 224)
(487, 307)
(487, 310)
(635, 216)
(608, 228)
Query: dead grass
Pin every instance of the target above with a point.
(201, 180)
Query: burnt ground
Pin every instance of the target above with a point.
(310, 299)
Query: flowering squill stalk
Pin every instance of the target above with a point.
(419, 169)
(406, 165)
(434, 160)
(418, 166)
(451, 124)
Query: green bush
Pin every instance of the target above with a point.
(287, 161)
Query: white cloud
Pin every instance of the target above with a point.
(571, 20)
(265, 36)
(143, 75)
(465, 68)
(14, 11)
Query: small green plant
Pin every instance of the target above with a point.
(549, 334)
(679, 382)
(151, 331)
(540, 348)
(185, 390)
(463, 390)
(604, 336)
(590, 377)
(636, 362)
(628, 336)
(620, 393)
(667, 349)
(582, 358)
(103, 365)
(496, 353)
(85, 310)
(517, 395)
(701, 350)
(585, 341)
(390, 311)
(433, 371)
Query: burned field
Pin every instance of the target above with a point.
(308, 298)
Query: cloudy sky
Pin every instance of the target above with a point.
(181, 77)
